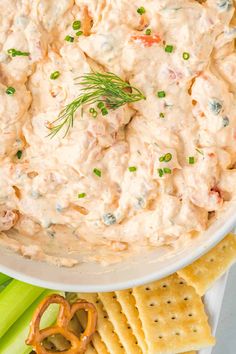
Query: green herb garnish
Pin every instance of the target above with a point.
(10, 91)
(69, 38)
(169, 48)
(100, 105)
(148, 32)
(76, 25)
(141, 10)
(161, 94)
(160, 172)
(167, 170)
(79, 33)
(168, 157)
(104, 111)
(81, 195)
(93, 112)
(186, 56)
(191, 160)
(13, 52)
(97, 87)
(132, 169)
(162, 115)
(54, 75)
(97, 172)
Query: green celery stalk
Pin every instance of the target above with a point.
(14, 300)
(4, 278)
(14, 340)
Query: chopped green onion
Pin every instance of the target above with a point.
(148, 31)
(69, 38)
(93, 112)
(81, 195)
(104, 111)
(13, 52)
(191, 160)
(161, 94)
(160, 172)
(97, 172)
(76, 25)
(55, 75)
(79, 33)
(10, 91)
(168, 157)
(100, 105)
(14, 340)
(162, 115)
(186, 55)
(132, 169)
(19, 154)
(14, 300)
(167, 170)
(141, 10)
(169, 48)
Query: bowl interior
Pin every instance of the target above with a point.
(136, 270)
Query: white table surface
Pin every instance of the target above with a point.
(226, 331)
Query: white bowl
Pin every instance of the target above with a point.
(138, 270)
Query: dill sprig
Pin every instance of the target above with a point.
(97, 87)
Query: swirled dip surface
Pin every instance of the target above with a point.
(145, 174)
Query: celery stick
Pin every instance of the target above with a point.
(14, 340)
(3, 278)
(14, 300)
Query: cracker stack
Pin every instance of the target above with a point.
(172, 316)
(164, 317)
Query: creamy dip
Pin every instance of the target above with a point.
(145, 174)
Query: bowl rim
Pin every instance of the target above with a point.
(203, 248)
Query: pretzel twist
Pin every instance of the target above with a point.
(66, 313)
